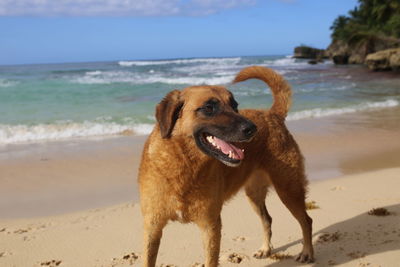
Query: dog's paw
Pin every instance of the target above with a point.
(262, 253)
(305, 258)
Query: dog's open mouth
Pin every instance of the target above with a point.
(220, 149)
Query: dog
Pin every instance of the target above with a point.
(203, 150)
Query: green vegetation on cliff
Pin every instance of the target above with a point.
(372, 26)
(371, 19)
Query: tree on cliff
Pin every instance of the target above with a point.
(373, 25)
(369, 20)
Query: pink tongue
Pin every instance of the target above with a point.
(226, 147)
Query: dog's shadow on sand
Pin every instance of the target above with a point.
(352, 239)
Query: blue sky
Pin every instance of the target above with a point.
(48, 31)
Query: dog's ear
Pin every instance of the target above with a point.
(167, 112)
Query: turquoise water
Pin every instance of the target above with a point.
(58, 101)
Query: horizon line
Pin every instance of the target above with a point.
(144, 59)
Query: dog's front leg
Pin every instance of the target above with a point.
(152, 236)
(211, 234)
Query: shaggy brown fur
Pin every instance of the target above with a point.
(182, 178)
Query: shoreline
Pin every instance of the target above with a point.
(81, 174)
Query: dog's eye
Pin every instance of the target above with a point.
(234, 105)
(209, 109)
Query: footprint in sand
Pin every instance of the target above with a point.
(331, 263)
(28, 238)
(5, 254)
(52, 263)
(239, 238)
(356, 254)
(329, 237)
(236, 257)
(42, 226)
(196, 264)
(126, 259)
(280, 256)
(22, 231)
(338, 188)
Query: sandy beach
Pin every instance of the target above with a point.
(74, 203)
(84, 83)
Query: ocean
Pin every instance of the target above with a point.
(48, 102)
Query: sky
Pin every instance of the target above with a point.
(50, 31)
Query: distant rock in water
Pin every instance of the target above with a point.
(315, 61)
(388, 59)
(309, 53)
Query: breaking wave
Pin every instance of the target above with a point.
(233, 60)
(7, 83)
(324, 112)
(10, 134)
(110, 77)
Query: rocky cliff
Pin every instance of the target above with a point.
(388, 59)
(343, 53)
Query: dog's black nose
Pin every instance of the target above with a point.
(249, 129)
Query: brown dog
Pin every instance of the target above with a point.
(203, 150)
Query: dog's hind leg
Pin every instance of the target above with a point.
(153, 227)
(211, 235)
(256, 190)
(291, 190)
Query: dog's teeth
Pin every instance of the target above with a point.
(243, 150)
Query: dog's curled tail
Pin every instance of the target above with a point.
(279, 87)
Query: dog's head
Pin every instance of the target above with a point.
(208, 114)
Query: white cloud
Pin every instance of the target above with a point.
(204, 7)
(117, 7)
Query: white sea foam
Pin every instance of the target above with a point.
(285, 62)
(324, 112)
(205, 71)
(7, 83)
(192, 80)
(104, 77)
(233, 60)
(10, 134)
(109, 77)
(290, 61)
(94, 73)
(326, 89)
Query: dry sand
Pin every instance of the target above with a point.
(344, 233)
(45, 187)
